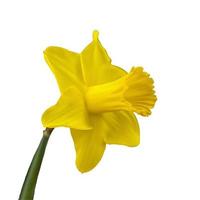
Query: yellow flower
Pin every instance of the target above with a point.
(97, 100)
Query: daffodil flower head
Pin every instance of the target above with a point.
(98, 100)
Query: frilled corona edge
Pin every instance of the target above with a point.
(97, 101)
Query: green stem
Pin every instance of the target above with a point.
(28, 188)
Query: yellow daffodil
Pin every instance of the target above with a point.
(97, 100)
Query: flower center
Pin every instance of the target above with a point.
(132, 92)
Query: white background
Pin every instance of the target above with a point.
(162, 36)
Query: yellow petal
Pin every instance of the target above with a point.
(133, 92)
(89, 146)
(140, 91)
(114, 73)
(66, 67)
(121, 127)
(69, 111)
(96, 64)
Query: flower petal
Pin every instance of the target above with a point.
(121, 127)
(96, 64)
(69, 111)
(140, 91)
(115, 73)
(66, 67)
(89, 146)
